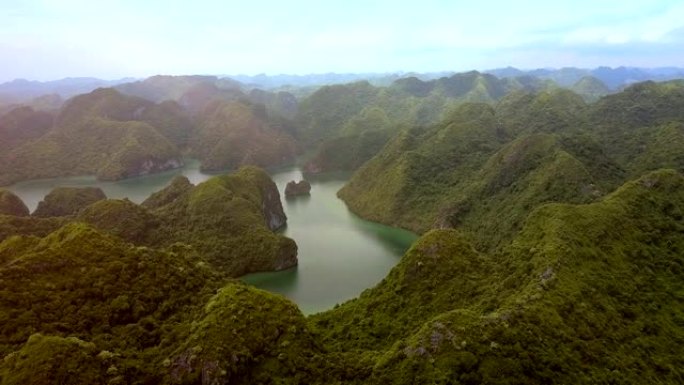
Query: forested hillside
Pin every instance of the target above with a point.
(551, 247)
(484, 168)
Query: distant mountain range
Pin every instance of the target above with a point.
(613, 78)
(20, 90)
(226, 122)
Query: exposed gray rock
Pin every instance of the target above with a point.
(272, 207)
(297, 188)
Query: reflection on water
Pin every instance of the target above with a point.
(340, 254)
(283, 282)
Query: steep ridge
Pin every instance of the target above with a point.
(532, 148)
(96, 133)
(124, 293)
(354, 121)
(116, 136)
(583, 294)
(516, 289)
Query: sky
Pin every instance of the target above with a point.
(53, 39)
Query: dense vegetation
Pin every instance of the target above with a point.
(354, 121)
(114, 135)
(552, 248)
(64, 201)
(227, 124)
(484, 168)
(583, 294)
(21, 125)
(231, 134)
(109, 282)
(93, 134)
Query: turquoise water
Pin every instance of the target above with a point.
(340, 255)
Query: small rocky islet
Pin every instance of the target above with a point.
(293, 188)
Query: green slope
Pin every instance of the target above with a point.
(354, 121)
(21, 125)
(229, 219)
(484, 173)
(584, 294)
(121, 292)
(63, 201)
(232, 134)
(97, 133)
(590, 88)
(516, 289)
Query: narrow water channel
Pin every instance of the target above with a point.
(340, 255)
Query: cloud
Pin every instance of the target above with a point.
(132, 38)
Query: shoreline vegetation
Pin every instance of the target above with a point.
(551, 227)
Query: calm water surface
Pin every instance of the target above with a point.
(340, 254)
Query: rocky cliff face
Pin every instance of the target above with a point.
(138, 162)
(297, 188)
(151, 166)
(272, 207)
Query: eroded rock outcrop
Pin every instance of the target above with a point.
(297, 188)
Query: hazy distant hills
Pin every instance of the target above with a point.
(20, 90)
(339, 109)
(277, 81)
(234, 133)
(114, 135)
(613, 78)
(343, 125)
(102, 133)
(159, 87)
(359, 118)
(21, 125)
(195, 93)
(481, 166)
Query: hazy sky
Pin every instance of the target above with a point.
(51, 39)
